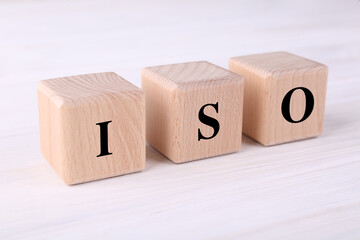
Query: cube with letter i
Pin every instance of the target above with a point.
(92, 126)
(284, 97)
(193, 110)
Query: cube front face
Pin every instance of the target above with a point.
(85, 159)
(211, 120)
(289, 124)
(96, 136)
(282, 104)
(192, 121)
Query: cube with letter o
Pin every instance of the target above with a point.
(284, 96)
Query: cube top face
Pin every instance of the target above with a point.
(190, 75)
(277, 63)
(92, 126)
(284, 96)
(193, 110)
(79, 89)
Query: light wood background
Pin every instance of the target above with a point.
(303, 190)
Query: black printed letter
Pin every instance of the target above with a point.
(208, 121)
(104, 139)
(285, 106)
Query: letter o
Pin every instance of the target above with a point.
(285, 106)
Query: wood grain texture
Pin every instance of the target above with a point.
(302, 190)
(70, 108)
(174, 96)
(268, 78)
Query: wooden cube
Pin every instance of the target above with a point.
(284, 96)
(193, 110)
(92, 126)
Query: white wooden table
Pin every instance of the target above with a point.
(303, 190)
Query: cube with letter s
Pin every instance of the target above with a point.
(193, 110)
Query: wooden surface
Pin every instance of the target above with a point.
(176, 94)
(302, 190)
(70, 111)
(269, 77)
